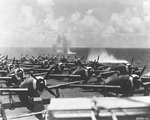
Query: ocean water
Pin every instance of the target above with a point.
(141, 56)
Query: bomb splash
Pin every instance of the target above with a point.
(62, 45)
(104, 56)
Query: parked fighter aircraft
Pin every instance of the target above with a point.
(78, 60)
(56, 68)
(45, 57)
(34, 60)
(64, 59)
(29, 92)
(14, 78)
(85, 72)
(14, 75)
(123, 68)
(24, 58)
(124, 84)
(96, 65)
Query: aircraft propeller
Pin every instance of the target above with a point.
(43, 84)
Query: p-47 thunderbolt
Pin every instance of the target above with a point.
(30, 90)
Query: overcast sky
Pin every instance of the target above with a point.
(88, 23)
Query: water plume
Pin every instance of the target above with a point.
(104, 56)
(62, 45)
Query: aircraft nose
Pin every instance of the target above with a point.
(41, 86)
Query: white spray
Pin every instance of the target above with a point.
(104, 56)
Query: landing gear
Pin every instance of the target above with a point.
(12, 107)
(27, 101)
(57, 93)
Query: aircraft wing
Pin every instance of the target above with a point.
(108, 72)
(146, 84)
(3, 71)
(32, 66)
(40, 70)
(100, 71)
(14, 89)
(3, 82)
(63, 85)
(30, 114)
(8, 78)
(53, 76)
(39, 74)
(88, 86)
(145, 79)
(5, 78)
(64, 76)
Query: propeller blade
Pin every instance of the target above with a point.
(13, 60)
(63, 55)
(82, 57)
(46, 88)
(2, 57)
(76, 57)
(26, 55)
(50, 91)
(46, 75)
(39, 57)
(98, 58)
(48, 54)
(6, 57)
(68, 57)
(33, 57)
(131, 61)
(142, 70)
(32, 75)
